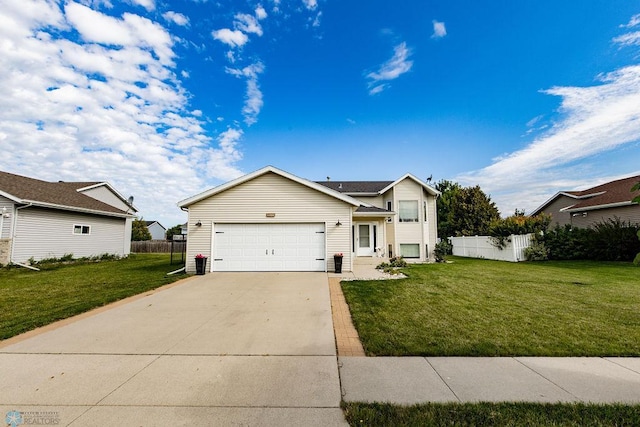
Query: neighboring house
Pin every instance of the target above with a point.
(43, 219)
(271, 220)
(157, 231)
(597, 204)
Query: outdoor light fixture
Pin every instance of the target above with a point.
(198, 224)
(338, 223)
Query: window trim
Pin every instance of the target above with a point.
(417, 245)
(81, 228)
(424, 208)
(416, 218)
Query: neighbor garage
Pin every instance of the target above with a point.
(269, 247)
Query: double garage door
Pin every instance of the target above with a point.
(269, 247)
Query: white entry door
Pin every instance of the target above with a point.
(269, 247)
(365, 238)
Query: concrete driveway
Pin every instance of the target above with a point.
(220, 349)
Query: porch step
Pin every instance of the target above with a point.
(363, 260)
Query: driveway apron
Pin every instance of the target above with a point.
(219, 349)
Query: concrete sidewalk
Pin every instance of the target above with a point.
(410, 380)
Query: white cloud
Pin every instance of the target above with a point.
(147, 4)
(310, 4)
(176, 18)
(391, 69)
(628, 39)
(594, 120)
(253, 98)
(233, 38)
(260, 12)
(109, 106)
(635, 20)
(132, 30)
(247, 24)
(439, 30)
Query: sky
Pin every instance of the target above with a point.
(167, 98)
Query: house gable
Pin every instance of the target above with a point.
(266, 170)
(269, 198)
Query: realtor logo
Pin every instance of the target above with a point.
(13, 418)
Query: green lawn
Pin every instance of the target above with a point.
(29, 299)
(491, 414)
(474, 307)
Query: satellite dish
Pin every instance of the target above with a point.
(130, 200)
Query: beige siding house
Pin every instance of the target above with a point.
(598, 204)
(41, 219)
(271, 220)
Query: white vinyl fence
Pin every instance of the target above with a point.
(482, 247)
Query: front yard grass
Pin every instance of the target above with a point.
(30, 299)
(491, 414)
(474, 307)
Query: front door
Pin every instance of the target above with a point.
(365, 240)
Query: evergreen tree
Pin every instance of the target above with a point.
(139, 230)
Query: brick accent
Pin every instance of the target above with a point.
(347, 339)
(5, 251)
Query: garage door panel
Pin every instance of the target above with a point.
(269, 247)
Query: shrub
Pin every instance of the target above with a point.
(501, 229)
(611, 240)
(442, 249)
(537, 251)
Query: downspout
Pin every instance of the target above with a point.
(13, 237)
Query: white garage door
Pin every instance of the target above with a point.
(269, 247)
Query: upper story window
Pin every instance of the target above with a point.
(408, 211)
(81, 229)
(424, 210)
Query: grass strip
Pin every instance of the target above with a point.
(491, 414)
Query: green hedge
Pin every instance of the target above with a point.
(611, 240)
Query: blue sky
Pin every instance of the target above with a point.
(166, 98)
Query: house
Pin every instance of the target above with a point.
(41, 219)
(271, 220)
(597, 204)
(157, 231)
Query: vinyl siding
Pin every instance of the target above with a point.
(625, 213)
(105, 195)
(421, 232)
(270, 193)
(157, 232)
(431, 228)
(375, 201)
(46, 233)
(7, 223)
(554, 207)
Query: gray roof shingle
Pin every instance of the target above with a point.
(356, 187)
(52, 193)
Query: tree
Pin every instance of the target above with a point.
(464, 211)
(139, 230)
(175, 230)
(636, 199)
(449, 192)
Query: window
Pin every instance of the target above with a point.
(389, 205)
(424, 210)
(81, 229)
(408, 210)
(410, 250)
